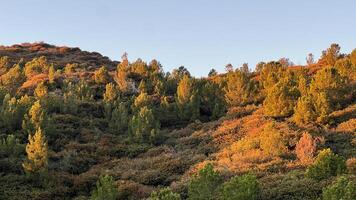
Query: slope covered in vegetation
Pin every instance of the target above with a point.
(76, 125)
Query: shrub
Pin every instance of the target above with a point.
(106, 189)
(205, 185)
(306, 148)
(164, 194)
(244, 187)
(343, 189)
(327, 164)
(36, 66)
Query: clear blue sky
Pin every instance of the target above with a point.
(199, 34)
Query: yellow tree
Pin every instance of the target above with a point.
(121, 74)
(37, 153)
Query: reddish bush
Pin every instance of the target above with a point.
(306, 148)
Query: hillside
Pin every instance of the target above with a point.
(76, 125)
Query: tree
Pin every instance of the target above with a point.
(353, 57)
(13, 79)
(37, 153)
(187, 99)
(244, 187)
(306, 148)
(119, 118)
(36, 66)
(51, 74)
(212, 73)
(10, 147)
(4, 64)
(346, 69)
(164, 194)
(330, 56)
(35, 119)
(142, 100)
(101, 76)
(304, 111)
(310, 59)
(271, 141)
(41, 90)
(281, 99)
(205, 185)
(229, 68)
(240, 89)
(244, 68)
(69, 69)
(327, 164)
(144, 127)
(111, 93)
(343, 189)
(121, 74)
(106, 189)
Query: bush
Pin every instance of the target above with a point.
(205, 185)
(327, 164)
(106, 189)
(343, 189)
(244, 187)
(306, 148)
(164, 194)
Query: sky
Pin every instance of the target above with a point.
(197, 34)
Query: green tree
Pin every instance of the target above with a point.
(281, 99)
(4, 65)
(240, 89)
(51, 74)
(343, 189)
(37, 153)
(353, 57)
(106, 189)
(35, 119)
(271, 141)
(212, 73)
(305, 111)
(10, 147)
(111, 93)
(186, 99)
(101, 76)
(36, 66)
(330, 56)
(13, 79)
(244, 187)
(119, 118)
(121, 74)
(144, 127)
(327, 164)
(205, 185)
(41, 91)
(164, 194)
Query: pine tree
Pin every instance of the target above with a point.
(36, 66)
(244, 187)
(144, 127)
(271, 141)
(343, 189)
(121, 74)
(111, 93)
(101, 76)
(51, 74)
(330, 56)
(35, 119)
(4, 65)
(205, 185)
(306, 148)
(281, 99)
(305, 111)
(106, 189)
(119, 119)
(239, 89)
(13, 79)
(41, 91)
(37, 153)
(164, 194)
(187, 99)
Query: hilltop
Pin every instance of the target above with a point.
(76, 125)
